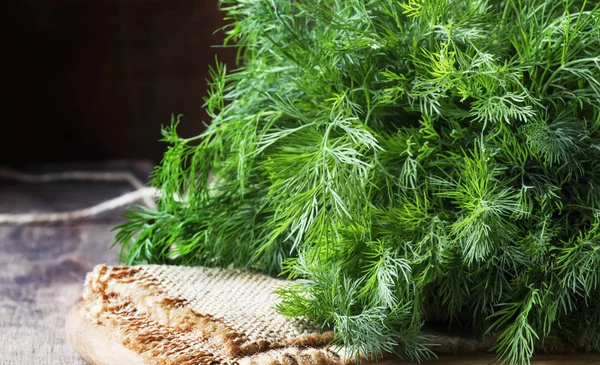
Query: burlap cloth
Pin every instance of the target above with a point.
(193, 315)
(203, 316)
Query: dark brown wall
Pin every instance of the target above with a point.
(94, 79)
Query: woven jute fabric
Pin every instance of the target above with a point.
(203, 316)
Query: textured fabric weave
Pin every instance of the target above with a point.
(184, 315)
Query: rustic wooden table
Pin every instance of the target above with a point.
(43, 269)
(43, 266)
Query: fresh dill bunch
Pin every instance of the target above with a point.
(398, 156)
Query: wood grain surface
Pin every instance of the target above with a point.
(42, 267)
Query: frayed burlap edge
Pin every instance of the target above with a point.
(165, 330)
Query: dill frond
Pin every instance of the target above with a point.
(398, 156)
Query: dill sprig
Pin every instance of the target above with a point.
(398, 156)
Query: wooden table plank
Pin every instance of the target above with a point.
(44, 266)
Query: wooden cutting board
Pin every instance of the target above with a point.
(95, 344)
(98, 347)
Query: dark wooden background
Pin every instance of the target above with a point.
(95, 80)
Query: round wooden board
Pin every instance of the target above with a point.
(97, 346)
